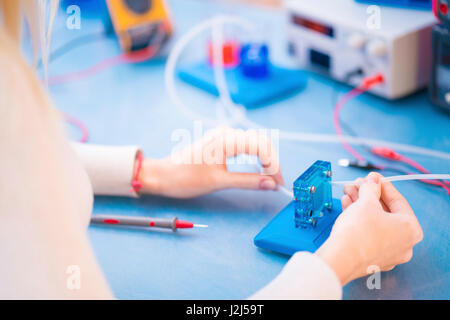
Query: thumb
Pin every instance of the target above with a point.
(371, 187)
(253, 181)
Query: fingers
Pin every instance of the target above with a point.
(371, 188)
(368, 188)
(250, 142)
(406, 257)
(388, 268)
(346, 201)
(252, 181)
(393, 199)
(353, 190)
(408, 227)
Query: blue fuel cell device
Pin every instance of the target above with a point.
(415, 4)
(312, 194)
(305, 223)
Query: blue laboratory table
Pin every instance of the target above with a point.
(128, 104)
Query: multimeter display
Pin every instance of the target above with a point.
(313, 25)
(139, 6)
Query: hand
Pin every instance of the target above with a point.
(377, 227)
(201, 168)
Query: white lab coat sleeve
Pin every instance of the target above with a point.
(304, 277)
(110, 168)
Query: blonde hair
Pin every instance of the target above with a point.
(39, 15)
(22, 96)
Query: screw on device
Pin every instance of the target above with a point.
(312, 194)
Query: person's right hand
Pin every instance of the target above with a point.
(376, 228)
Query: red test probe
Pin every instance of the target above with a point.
(170, 223)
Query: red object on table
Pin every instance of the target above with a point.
(230, 54)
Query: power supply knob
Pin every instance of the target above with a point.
(356, 41)
(377, 48)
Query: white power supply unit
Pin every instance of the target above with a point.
(341, 37)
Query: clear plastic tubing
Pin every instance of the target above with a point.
(286, 191)
(174, 55)
(405, 177)
(239, 114)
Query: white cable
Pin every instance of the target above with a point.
(405, 177)
(286, 191)
(238, 112)
(329, 138)
(218, 66)
(169, 74)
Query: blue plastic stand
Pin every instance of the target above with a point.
(281, 235)
(247, 91)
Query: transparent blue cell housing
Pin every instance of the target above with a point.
(312, 194)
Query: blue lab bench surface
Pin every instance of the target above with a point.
(128, 104)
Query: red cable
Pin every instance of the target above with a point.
(413, 164)
(337, 125)
(366, 85)
(131, 57)
(80, 125)
(127, 57)
(388, 153)
(395, 156)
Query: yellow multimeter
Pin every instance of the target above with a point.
(140, 23)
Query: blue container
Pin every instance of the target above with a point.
(254, 60)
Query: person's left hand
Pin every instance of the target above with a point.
(201, 168)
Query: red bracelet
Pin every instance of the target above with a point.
(136, 184)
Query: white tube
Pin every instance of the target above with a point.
(238, 112)
(405, 177)
(169, 74)
(286, 191)
(218, 67)
(329, 138)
